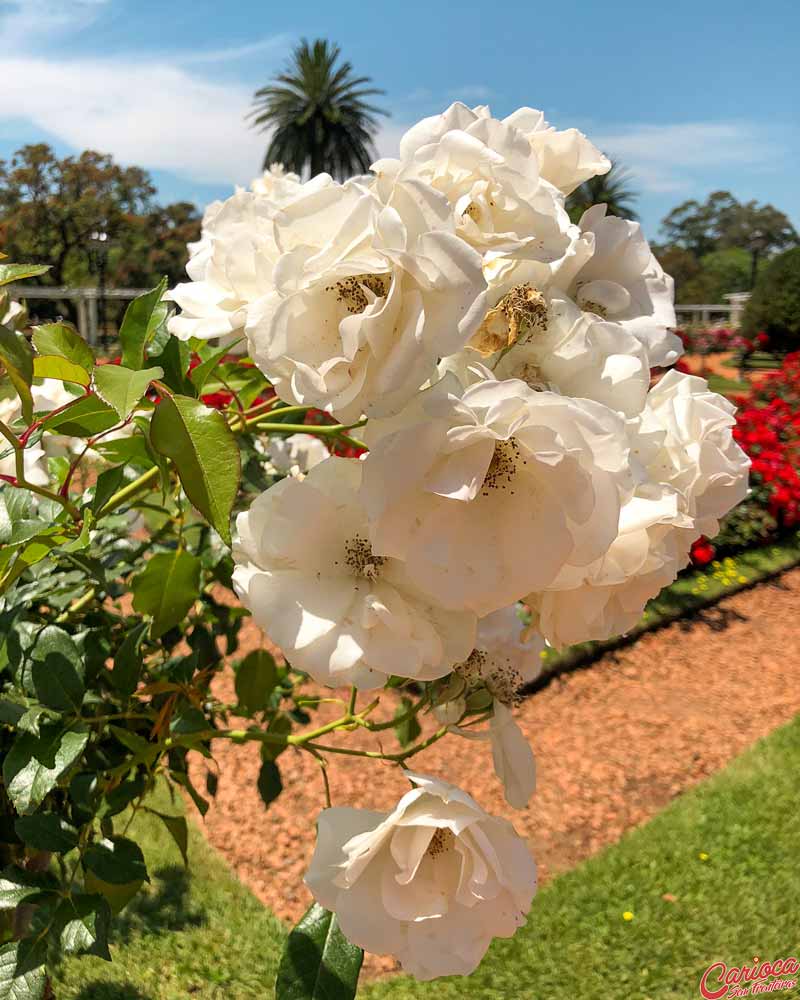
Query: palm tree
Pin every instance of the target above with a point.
(612, 189)
(319, 114)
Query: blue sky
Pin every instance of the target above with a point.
(691, 96)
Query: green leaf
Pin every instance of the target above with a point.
(166, 589)
(87, 416)
(57, 670)
(107, 484)
(128, 661)
(82, 922)
(175, 358)
(142, 318)
(116, 860)
(205, 453)
(18, 885)
(52, 366)
(46, 832)
(318, 962)
(65, 342)
(409, 729)
(17, 359)
(18, 272)
(116, 895)
(123, 388)
(198, 376)
(178, 829)
(34, 764)
(256, 677)
(27, 985)
(269, 782)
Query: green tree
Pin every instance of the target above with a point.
(612, 189)
(775, 303)
(722, 222)
(50, 207)
(319, 114)
(719, 273)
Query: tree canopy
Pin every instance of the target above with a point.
(50, 207)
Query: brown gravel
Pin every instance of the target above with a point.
(614, 744)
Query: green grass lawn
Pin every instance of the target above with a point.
(206, 937)
(727, 386)
(743, 901)
(198, 935)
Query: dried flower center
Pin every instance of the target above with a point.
(350, 291)
(360, 560)
(496, 673)
(502, 468)
(441, 842)
(516, 317)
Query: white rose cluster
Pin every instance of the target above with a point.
(519, 450)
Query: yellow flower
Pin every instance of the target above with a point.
(627, 915)
(703, 856)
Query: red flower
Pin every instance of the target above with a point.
(702, 551)
(762, 338)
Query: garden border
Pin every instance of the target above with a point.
(777, 558)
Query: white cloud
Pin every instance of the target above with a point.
(667, 158)
(153, 114)
(26, 21)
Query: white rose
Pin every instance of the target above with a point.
(696, 453)
(566, 158)
(622, 281)
(296, 454)
(229, 267)
(368, 295)
(561, 347)
(608, 598)
(487, 491)
(430, 883)
(277, 184)
(485, 169)
(305, 569)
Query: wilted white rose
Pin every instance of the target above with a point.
(693, 449)
(484, 167)
(305, 568)
(296, 454)
(431, 882)
(487, 491)
(556, 345)
(622, 281)
(566, 158)
(368, 295)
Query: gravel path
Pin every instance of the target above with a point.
(614, 744)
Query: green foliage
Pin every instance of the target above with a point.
(318, 962)
(775, 303)
(319, 115)
(612, 189)
(200, 443)
(166, 589)
(17, 359)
